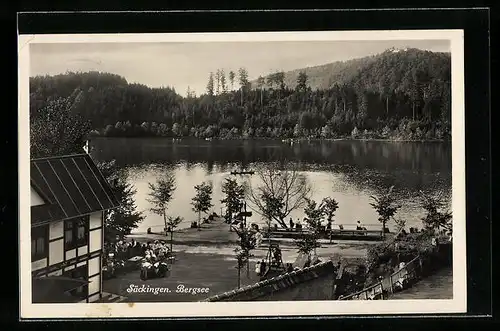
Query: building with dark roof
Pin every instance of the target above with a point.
(69, 199)
(312, 283)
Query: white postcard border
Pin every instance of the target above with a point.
(228, 309)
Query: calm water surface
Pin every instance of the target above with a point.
(349, 171)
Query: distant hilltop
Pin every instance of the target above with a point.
(398, 62)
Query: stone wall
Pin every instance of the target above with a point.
(312, 283)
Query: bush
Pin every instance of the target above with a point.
(355, 133)
(383, 258)
(94, 133)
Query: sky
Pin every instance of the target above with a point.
(183, 65)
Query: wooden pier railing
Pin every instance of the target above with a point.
(397, 281)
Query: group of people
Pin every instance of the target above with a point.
(124, 250)
(326, 225)
(256, 234)
(152, 250)
(295, 225)
(156, 251)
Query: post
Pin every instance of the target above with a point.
(199, 220)
(239, 275)
(391, 284)
(244, 215)
(171, 240)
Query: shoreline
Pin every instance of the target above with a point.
(278, 139)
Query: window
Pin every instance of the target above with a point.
(39, 242)
(76, 232)
(68, 234)
(78, 273)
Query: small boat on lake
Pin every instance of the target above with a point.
(243, 172)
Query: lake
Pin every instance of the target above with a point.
(349, 171)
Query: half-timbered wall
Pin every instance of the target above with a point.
(60, 261)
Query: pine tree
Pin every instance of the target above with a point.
(232, 76)
(243, 78)
(210, 84)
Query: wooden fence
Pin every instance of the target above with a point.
(397, 281)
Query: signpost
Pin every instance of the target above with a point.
(243, 209)
(244, 213)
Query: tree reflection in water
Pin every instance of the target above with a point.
(359, 167)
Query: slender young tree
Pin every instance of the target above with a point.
(243, 251)
(233, 195)
(173, 223)
(309, 239)
(329, 207)
(202, 201)
(386, 207)
(160, 195)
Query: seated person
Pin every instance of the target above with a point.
(277, 254)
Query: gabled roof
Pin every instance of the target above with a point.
(280, 283)
(72, 184)
(35, 187)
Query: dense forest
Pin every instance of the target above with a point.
(403, 94)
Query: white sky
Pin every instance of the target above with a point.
(180, 65)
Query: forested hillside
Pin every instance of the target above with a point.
(396, 95)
